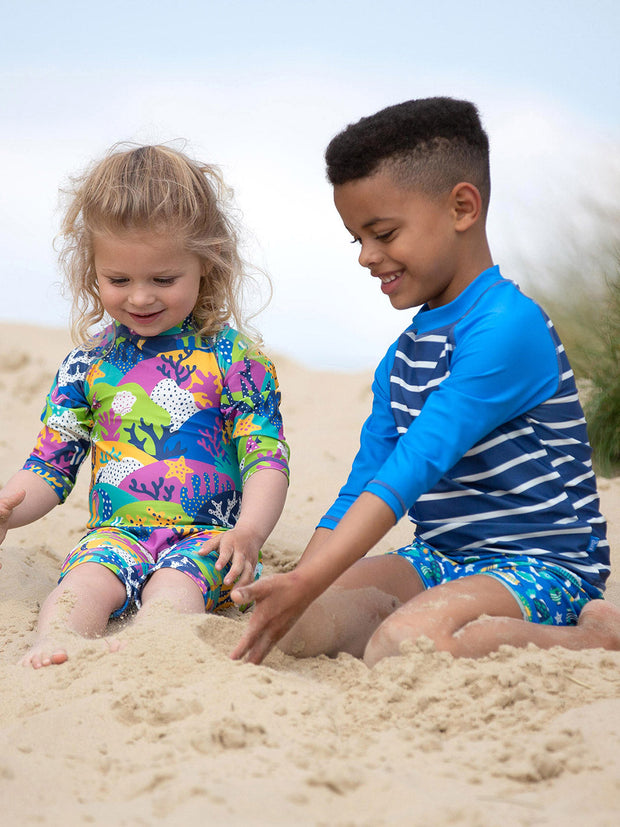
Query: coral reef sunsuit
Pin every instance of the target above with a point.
(177, 423)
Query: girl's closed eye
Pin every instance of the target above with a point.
(165, 281)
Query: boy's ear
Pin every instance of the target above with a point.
(466, 205)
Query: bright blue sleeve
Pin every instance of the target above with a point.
(502, 366)
(378, 440)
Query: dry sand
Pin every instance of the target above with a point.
(171, 731)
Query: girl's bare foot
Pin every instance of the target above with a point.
(45, 652)
(48, 652)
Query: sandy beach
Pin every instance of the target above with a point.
(170, 731)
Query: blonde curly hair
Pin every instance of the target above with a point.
(159, 189)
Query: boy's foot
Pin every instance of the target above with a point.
(45, 652)
(602, 620)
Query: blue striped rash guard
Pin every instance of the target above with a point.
(477, 432)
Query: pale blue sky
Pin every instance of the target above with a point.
(260, 88)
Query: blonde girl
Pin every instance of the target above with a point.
(179, 410)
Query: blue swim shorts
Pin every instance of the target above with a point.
(118, 550)
(545, 593)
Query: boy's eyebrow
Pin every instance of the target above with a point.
(375, 221)
(369, 223)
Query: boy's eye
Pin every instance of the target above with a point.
(384, 236)
(356, 240)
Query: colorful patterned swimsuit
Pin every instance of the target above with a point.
(177, 423)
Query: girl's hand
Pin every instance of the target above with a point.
(279, 600)
(239, 545)
(7, 503)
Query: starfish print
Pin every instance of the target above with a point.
(178, 469)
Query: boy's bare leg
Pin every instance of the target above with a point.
(473, 616)
(344, 618)
(175, 588)
(82, 603)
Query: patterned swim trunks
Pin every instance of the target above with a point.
(545, 593)
(133, 563)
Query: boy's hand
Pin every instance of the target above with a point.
(7, 503)
(279, 600)
(240, 546)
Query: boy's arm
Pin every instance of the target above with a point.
(262, 502)
(281, 599)
(24, 499)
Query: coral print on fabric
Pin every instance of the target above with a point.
(176, 424)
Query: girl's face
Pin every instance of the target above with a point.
(147, 280)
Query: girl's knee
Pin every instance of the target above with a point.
(175, 587)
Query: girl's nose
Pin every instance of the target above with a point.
(141, 296)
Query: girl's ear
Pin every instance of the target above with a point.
(466, 205)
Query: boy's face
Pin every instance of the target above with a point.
(408, 240)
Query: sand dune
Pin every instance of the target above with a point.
(171, 731)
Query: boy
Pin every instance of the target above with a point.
(476, 431)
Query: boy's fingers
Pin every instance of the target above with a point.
(253, 652)
(252, 647)
(250, 593)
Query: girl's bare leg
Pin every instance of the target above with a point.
(475, 615)
(173, 587)
(82, 603)
(344, 618)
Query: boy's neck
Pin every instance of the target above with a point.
(474, 258)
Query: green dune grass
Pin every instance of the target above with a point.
(586, 313)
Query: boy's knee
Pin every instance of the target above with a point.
(384, 643)
(402, 627)
(312, 634)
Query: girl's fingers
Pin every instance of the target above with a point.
(246, 577)
(225, 555)
(209, 545)
(241, 571)
(9, 502)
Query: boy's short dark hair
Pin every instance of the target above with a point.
(429, 144)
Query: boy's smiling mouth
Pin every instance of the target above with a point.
(388, 278)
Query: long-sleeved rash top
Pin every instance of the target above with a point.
(176, 422)
(477, 432)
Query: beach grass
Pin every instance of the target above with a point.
(585, 310)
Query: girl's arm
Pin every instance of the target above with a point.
(24, 499)
(262, 502)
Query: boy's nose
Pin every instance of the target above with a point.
(369, 255)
